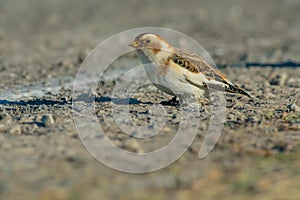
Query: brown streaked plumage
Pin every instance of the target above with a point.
(175, 71)
(196, 64)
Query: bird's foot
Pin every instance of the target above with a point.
(172, 102)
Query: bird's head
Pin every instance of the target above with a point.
(150, 42)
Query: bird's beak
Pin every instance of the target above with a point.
(134, 44)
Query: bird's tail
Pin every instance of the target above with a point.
(233, 88)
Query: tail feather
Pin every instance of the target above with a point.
(228, 86)
(233, 88)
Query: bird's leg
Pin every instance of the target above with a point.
(174, 101)
(204, 102)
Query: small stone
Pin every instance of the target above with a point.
(28, 129)
(277, 79)
(4, 118)
(92, 93)
(65, 99)
(47, 120)
(82, 55)
(64, 63)
(294, 107)
(283, 79)
(15, 130)
(2, 127)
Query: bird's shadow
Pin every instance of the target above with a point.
(102, 99)
(121, 101)
(132, 101)
(36, 102)
(87, 99)
(116, 100)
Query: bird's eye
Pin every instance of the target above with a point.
(148, 41)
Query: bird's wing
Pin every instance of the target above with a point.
(215, 79)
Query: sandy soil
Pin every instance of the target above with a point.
(42, 47)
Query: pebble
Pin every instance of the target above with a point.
(65, 99)
(82, 55)
(294, 107)
(47, 120)
(15, 130)
(28, 129)
(5, 118)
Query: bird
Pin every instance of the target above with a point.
(179, 72)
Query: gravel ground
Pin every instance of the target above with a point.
(256, 43)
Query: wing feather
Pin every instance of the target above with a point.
(215, 79)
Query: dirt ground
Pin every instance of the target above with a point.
(42, 45)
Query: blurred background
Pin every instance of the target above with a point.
(232, 30)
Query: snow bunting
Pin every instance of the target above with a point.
(177, 72)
